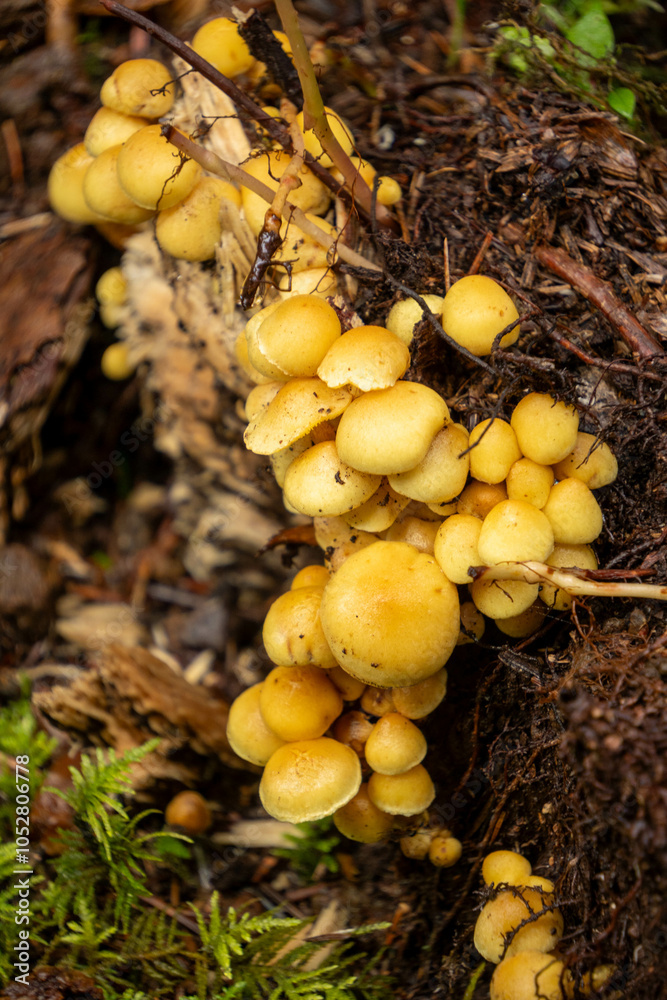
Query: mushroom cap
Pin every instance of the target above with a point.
(529, 481)
(104, 194)
(546, 430)
(311, 576)
(219, 42)
(367, 357)
(268, 167)
(189, 810)
(247, 732)
(573, 513)
(142, 87)
(515, 531)
(505, 866)
(353, 729)
(309, 779)
(378, 601)
(406, 313)
(394, 745)
(377, 701)
(361, 820)
(479, 498)
(419, 700)
(505, 599)
(65, 186)
(416, 846)
(151, 171)
(350, 688)
(292, 631)
(455, 547)
(388, 431)
(191, 230)
(505, 913)
(442, 472)
(473, 624)
(338, 540)
(296, 335)
(300, 405)
(494, 449)
(301, 251)
(320, 281)
(591, 460)
(476, 309)
(380, 511)
(340, 130)
(444, 852)
(317, 482)
(521, 625)
(109, 128)
(405, 794)
(530, 975)
(570, 556)
(416, 531)
(299, 703)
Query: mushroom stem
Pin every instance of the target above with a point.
(575, 582)
(235, 175)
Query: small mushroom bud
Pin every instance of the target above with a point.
(479, 498)
(311, 576)
(115, 362)
(529, 481)
(111, 292)
(140, 87)
(361, 820)
(473, 624)
(405, 794)
(394, 745)
(191, 230)
(505, 913)
(419, 700)
(353, 729)
(309, 779)
(189, 811)
(455, 546)
(414, 531)
(515, 531)
(104, 194)
(546, 430)
(444, 852)
(573, 513)
(494, 449)
(379, 512)
(350, 688)
(416, 846)
(299, 703)
(65, 186)
(340, 130)
(389, 191)
(476, 309)
(530, 975)
(110, 128)
(592, 461)
(406, 313)
(442, 473)
(507, 867)
(219, 42)
(152, 172)
(293, 632)
(247, 732)
(377, 701)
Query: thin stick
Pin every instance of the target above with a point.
(600, 294)
(236, 175)
(575, 582)
(479, 256)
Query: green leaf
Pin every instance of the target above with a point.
(593, 34)
(622, 100)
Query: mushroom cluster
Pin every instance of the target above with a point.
(519, 929)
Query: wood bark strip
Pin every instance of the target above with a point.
(600, 295)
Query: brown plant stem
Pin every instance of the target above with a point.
(577, 583)
(236, 175)
(600, 294)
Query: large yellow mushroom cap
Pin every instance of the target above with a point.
(317, 482)
(367, 357)
(300, 405)
(505, 913)
(591, 460)
(530, 975)
(140, 87)
(387, 431)
(476, 309)
(218, 41)
(442, 473)
(152, 172)
(390, 615)
(394, 745)
(309, 779)
(296, 335)
(505, 866)
(573, 512)
(515, 531)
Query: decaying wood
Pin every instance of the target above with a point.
(127, 696)
(602, 297)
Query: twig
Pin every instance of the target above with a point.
(479, 256)
(609, 366)
(600, 294)
(236, 175)
(575, 582)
